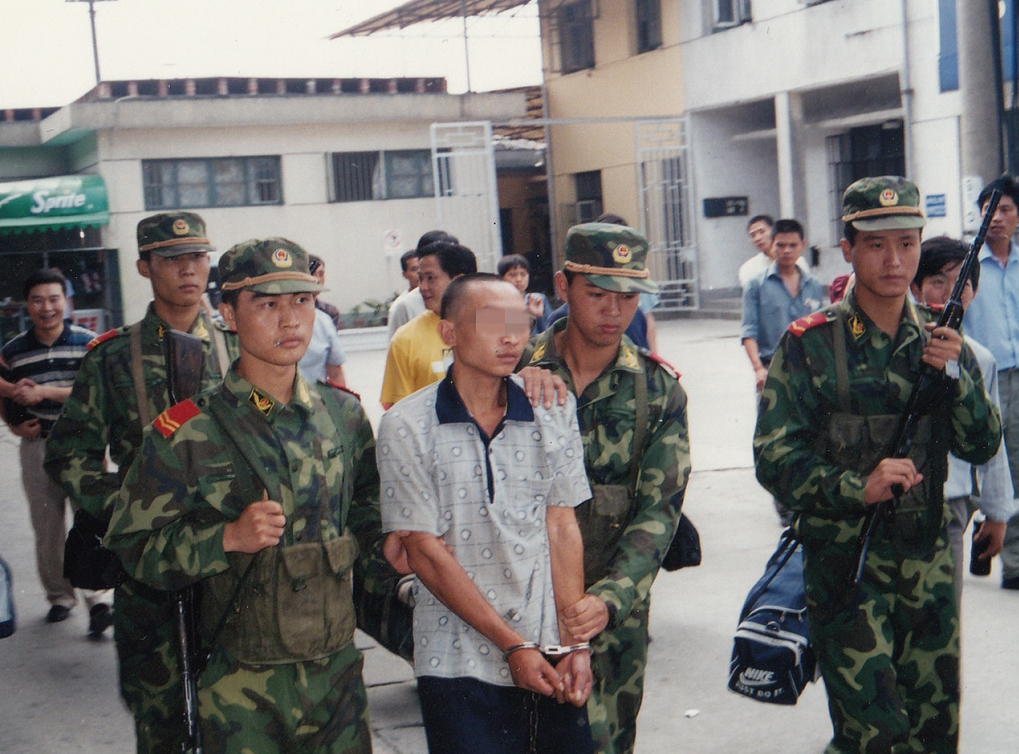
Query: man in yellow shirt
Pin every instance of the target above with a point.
(417, 356)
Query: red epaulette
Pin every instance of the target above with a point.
(338, 386)
(803, 324)
(174, 417)
(661, 362)
(102, 338)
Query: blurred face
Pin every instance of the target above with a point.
(519, 277)
(272, 329)
(1006, 218)
(601, 317)
(177, 281)
(786, 249)
(884, 261)
(488, 330)
(760, 236)
(432, 281)
(320, 274)
(45, 306)
(411, 273)
(936, 289)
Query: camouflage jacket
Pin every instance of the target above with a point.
(800, 399)
(102, 410)
(191, 478)
(606, 415)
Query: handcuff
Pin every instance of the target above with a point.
(548, 650)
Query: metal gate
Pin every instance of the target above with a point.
(467, 201)
(666, 207)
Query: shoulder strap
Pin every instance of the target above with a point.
(639, 427)
(219, 342)
(841, 364)
(333, 412)
(138, 375)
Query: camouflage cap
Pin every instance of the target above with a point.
(267, 265)
(170, 234)
(610, 257)
(886, 202)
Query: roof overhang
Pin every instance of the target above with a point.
(419, 11)
(69, 201)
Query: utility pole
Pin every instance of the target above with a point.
(981, 140)
(95, 44)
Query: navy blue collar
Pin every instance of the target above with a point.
(38, 344)
(450, 408)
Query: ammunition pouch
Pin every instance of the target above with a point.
(602, 520)
(295, 604)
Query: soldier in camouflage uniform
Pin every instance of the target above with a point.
(103, 411)
(263, 489)
(632, 414)
(832, 404)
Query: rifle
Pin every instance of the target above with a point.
(185, 362)
(930, 380)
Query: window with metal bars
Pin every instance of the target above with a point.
(369, 176)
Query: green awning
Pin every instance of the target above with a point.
(68, 201)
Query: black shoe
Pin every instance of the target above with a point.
(100, 618)
(1012, 583)
(57, 614)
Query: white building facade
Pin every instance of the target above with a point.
(789, 101)
(348, 172)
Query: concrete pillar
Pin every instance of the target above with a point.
(979, 137)
(788, 130)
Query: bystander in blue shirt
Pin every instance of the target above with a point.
(993, 317)
(768, 309)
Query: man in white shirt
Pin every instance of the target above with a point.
(498, 554)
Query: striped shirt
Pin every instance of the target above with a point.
(56, 364)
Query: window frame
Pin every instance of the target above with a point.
(589, 191)
(650, 12)
(162, 183)
(738, 10)
(568, 34)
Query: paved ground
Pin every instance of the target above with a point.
(58, 689)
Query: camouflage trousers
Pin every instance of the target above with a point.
(618, 661)
(889, 653)
(313, 707)
(143, 628)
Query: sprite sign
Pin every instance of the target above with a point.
(52, 203)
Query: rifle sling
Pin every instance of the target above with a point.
(138, 375)
(222, 355)
(639, 428)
